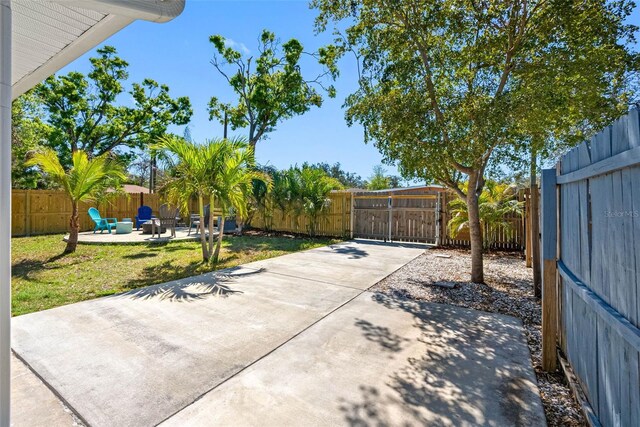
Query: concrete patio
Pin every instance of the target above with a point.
(291, 340)
(136, 236)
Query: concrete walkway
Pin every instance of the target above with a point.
(290, 340)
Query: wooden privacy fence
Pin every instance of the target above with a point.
(336, 222)
(591, 269)
(48, 211)
(396, 217)
(400, 217)
(511, 238)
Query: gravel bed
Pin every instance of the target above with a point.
(509, 290)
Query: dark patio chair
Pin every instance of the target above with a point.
(167, 219)
(194, 220)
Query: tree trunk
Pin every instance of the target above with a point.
(216, 254)
(475, 232)
(74, 227)
(211, 219)
(152, 174)
(203, 239)
(535, 227)
(252, 139)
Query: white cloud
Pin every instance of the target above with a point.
(237, 45)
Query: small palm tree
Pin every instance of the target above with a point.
(216, 171)
(187, 176)
(193, 172)
(315, 187)
(86, 181)
(235, 180)
(260, 201)
(286, 190)
(496, 203)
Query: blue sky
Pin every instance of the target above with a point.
(178, 53)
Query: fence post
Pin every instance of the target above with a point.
(527, 228)
(27, 213)
(351, 214)
(390, 208)
(549, 257)
(438, 219)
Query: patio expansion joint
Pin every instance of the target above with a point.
(59, 396)
(273, 350)
(316, 280)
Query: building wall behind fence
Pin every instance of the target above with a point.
(599, 269)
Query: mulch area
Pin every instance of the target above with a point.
(442, 276)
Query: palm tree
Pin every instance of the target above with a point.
(187, 177)
(315, 186)
(286, 190)
(215, 171)
(235, 179)
(496, 202)
(86, 181)
(193, 171)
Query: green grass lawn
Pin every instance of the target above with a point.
(43, 278)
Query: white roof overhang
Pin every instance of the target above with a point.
(49, 34)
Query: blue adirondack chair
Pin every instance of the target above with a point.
(102, 223)
(144, 215)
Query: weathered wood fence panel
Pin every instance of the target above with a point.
(599, 269)
(336, 222)
(48, 211)
(396, 217)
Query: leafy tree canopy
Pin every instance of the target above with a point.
(447, 86)
(379, 180)
(270, 88)
(347, 179)
(84, 112)
(450, 88)
(28, 133)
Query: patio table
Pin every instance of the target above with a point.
(124, 227)
(147, 227)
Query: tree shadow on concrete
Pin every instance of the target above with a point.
(382, 335)
(214, 284)
(352, 251)
(475, 370)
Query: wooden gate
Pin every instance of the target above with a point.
(412, 218)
